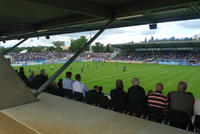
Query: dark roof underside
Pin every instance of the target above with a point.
(32, 18)
(163, 44)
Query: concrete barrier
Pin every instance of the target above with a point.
(13, 91)
(56, 115)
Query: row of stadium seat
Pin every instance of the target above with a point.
(175, 118)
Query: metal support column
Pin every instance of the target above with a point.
(10, 49)
(53, 77)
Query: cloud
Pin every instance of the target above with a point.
(149, 32)
(178, 29)
(191, 24)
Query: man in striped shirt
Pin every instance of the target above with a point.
(158, 104)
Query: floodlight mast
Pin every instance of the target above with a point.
(10, 49)
(53, 77)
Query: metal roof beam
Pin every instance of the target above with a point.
(61, 69)
(51, 24)
(156, 5)
(73, 20)
(79, 7)
(19, 43)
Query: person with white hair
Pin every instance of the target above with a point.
(136, 98)
(136, 81)
(181, 100)
(181, 108)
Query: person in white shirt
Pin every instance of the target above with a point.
(68, 82)
(196, 116)
(78, 86)
(197, 107)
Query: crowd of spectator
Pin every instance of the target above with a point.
(177, 109)
(105, 56)
(50, 56)
(130, 55)
(36, 56)
(159, 55)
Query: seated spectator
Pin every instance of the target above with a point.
(47, 76)
(31, 80)
(149, 92)
(118, 97)
(145, 113)
(22, 75)
(95, 89)
(68, 82)
(78, 86)
(197, 115)
(197, 108)
(158, 104)
(31, 77)
(180, 100)
(181, 107)
(60, 84)
(136, 98)
(100, 91)
(103, 101)
(40, 79)
(92, 96)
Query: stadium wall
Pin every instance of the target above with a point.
(154, 62)
(27, 63)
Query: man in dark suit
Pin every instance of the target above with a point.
(40, 79)
(136, 98)
(92, 95)
(95, 89)
(22, 75)
(100, 91)
(118, 97)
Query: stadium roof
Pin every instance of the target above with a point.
(32, 18)
(162, 44)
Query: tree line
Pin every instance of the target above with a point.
(75, 45)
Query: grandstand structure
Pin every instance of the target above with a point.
(161, 45)
(22, 113)
(184, 52)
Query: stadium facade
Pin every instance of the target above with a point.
(161, 52)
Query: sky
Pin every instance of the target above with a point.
(179, 29)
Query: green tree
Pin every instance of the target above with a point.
(58, 44)
(109, 48)
(77, 44)
(51, 49)
(98, 48)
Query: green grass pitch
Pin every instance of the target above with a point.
(149, 75)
